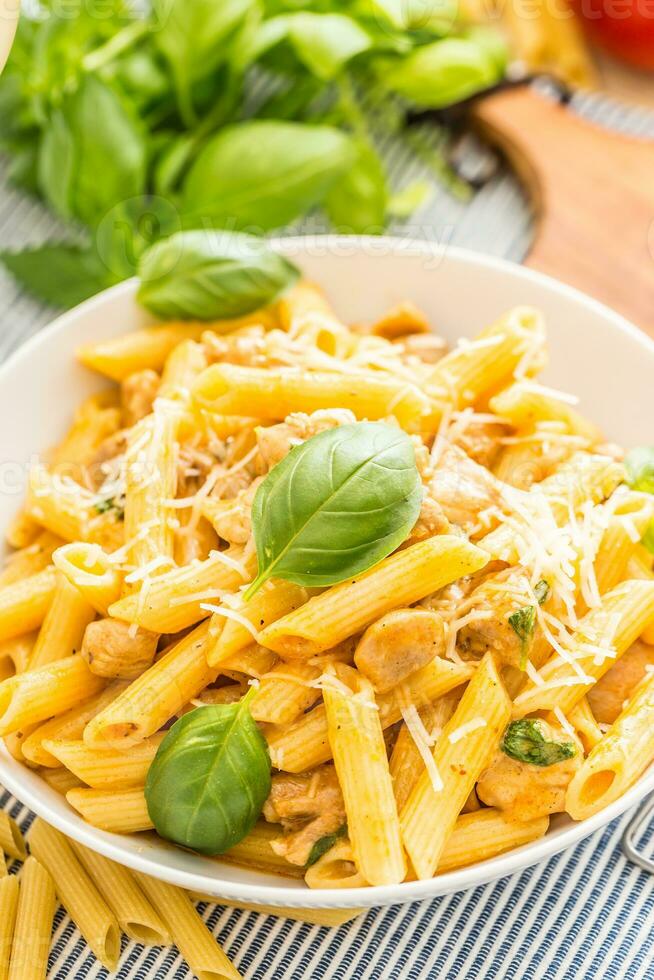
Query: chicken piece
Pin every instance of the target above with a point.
(431, 521)
(526, 790)
(111, 650)
(607, 697)
(276, 441)
(503, 619)
(400, 321)
(397, 644)
(426, 348)
(137, 393)
(107, 460)
(232, 519)
(463, 488)
(309, 806)
(246, 346)
(481, 441)
(194, 464)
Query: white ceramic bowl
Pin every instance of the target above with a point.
(594, 353)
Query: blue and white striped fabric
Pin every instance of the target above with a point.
(586, 913)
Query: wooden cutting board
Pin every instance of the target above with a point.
(593, 195)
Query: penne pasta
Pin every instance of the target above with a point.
(155, 696)
(176, 599)
(8, 909)
(305, 744)
(602, 636)
(31, 559)
(116, 811)
(30, 698)
(11, 839)
(33, 929)
(23, 604)
(397, 581)
(134, 913)
(72, 512)
(525, 403)
(618, 759)
(463, 750)
(276, 599)
(285, 693)
(190, 935)
(63, 627)
(89, 569)
(230, 389)
(106, 768)
(77, 893)
(356, 739)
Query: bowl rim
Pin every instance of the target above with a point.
(73, 825)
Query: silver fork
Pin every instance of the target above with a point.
(634, 829)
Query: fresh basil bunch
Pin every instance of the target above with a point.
(107, 103)
(210, 778)
(336, 505)
(204, 275)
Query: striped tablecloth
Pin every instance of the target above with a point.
(586, 913)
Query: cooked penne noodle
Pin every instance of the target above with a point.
(190, 935)
(67, 509)
(620, 540)
(175, 600)
(30, 698)
(8, 909)
(302, 302)
(33, 929)
(96, 419)
(337, 868)
(255, 851)
(116, 811)
(400, 580)
(106, 768)
(618, 759)
(583, 721)
(477, 368)
(155, 696)
(305, 744)
(67, 726)
(16, 652)
(134, 913)
(406, 762)
(486, 833)
(272, 394)
(525, 403)
(63, 628)
(463, 750)
(182, 367)
(89, 569)
(136, 351)
(276, 599)
(31, 559)
(3, 865)
(150, 482)
(356, 739)
(23, 604)
(22, 531)
(285, 693)
(602, 636)
(61, 780)
(11, 839)
(77, 893)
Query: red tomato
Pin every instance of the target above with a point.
(623, 27)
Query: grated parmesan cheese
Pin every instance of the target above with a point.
(465, 729)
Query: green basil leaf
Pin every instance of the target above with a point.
(194, 37)
(325, 844)
(209, 779)
(336, 505)
(205, 275)
(523, 622)
(92, 154)
(439, 74)
(61, 275)
(131, 227)
(542, 591)
(264, 174)
(405, 202)
(357, 202)
(639, 464)
(326, 42)
(523, 740)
